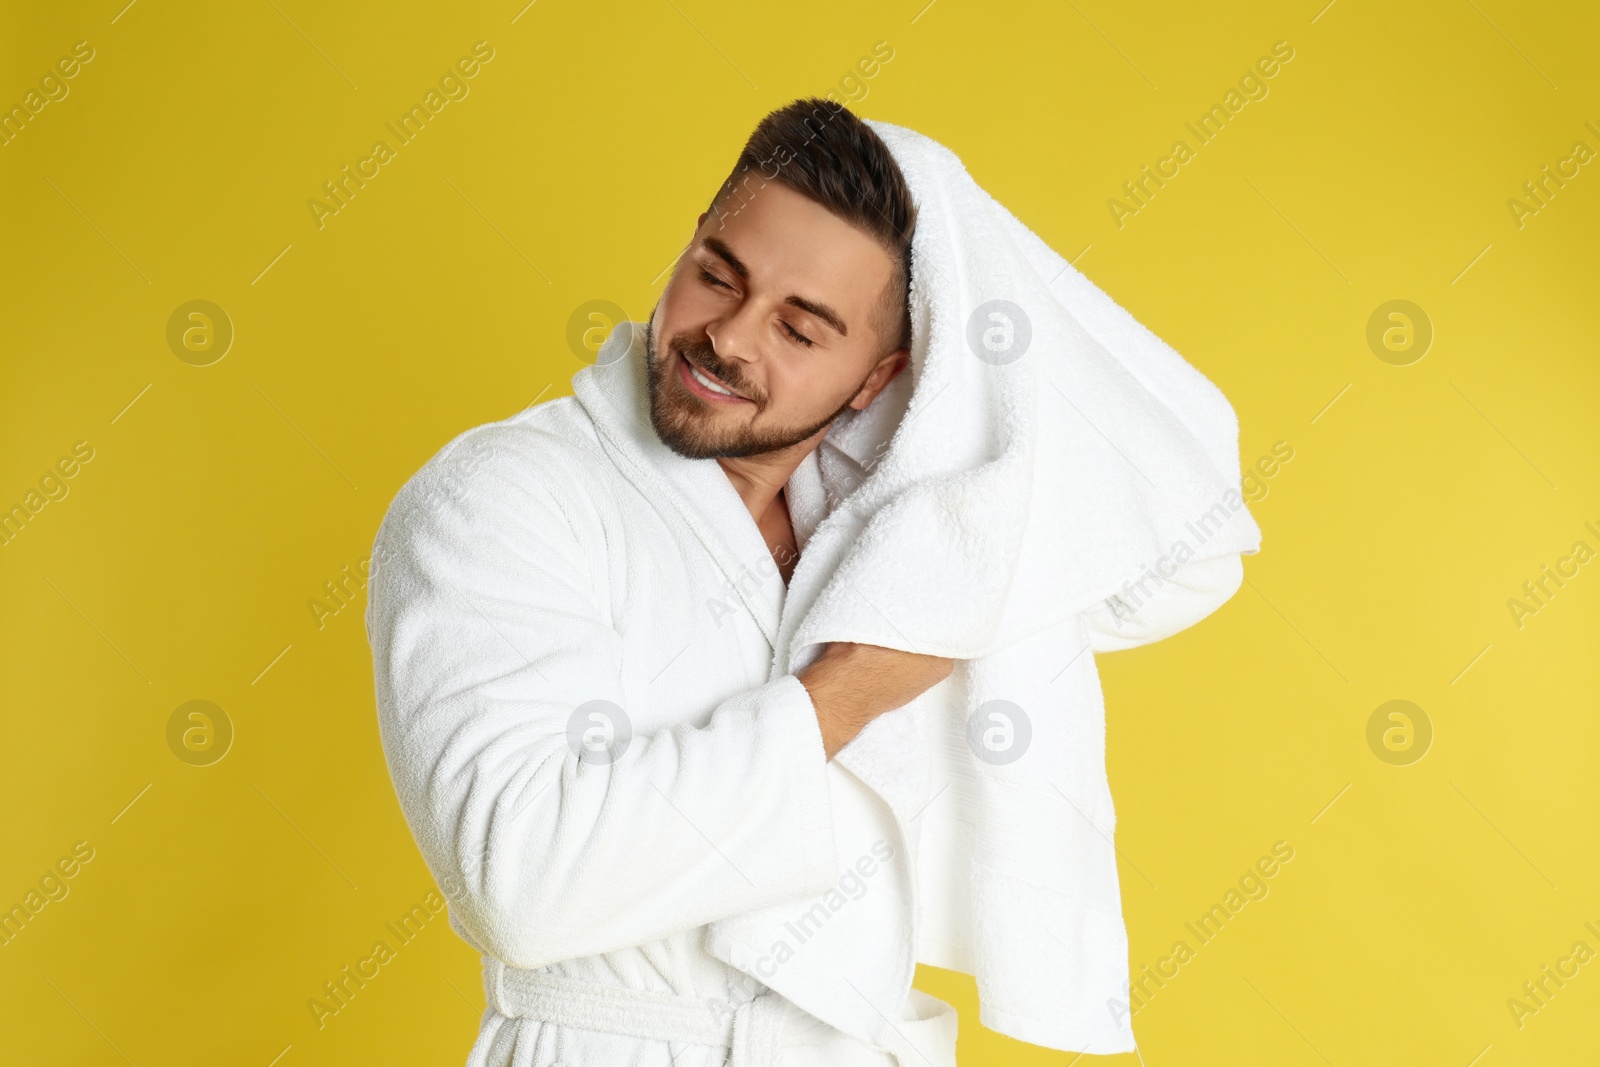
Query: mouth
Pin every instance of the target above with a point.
(704, 385)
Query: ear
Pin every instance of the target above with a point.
(888, 368)
(899, 359)
(701, 221)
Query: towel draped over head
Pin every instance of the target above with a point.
(1042, 448)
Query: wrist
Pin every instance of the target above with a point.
(832, 704)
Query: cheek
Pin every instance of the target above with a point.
(686, 301)
(793, 395)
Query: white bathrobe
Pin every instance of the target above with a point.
(532, 586)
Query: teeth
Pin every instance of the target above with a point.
(708, 383)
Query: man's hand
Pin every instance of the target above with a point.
(852, 684)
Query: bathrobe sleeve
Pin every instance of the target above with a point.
(488, 638)
(1137, 617)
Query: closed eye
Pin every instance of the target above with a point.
(796, 335)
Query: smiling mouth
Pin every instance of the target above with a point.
(705, 385)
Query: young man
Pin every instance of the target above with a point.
(573, 672)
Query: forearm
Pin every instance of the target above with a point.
(852, 684)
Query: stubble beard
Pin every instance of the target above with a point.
(685, 423)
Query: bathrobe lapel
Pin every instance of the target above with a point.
(693, 492)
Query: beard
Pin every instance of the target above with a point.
(690, 426)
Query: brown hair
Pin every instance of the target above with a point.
(822, 150)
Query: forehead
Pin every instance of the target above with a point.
(793, 245)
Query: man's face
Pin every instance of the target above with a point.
(777, 304)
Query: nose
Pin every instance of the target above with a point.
(734, 337)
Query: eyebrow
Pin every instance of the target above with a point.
(821, 311)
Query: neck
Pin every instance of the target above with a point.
(760, 479)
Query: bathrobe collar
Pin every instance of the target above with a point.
(615, 393)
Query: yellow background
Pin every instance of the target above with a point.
(219, 500)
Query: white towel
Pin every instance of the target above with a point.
(1033, 461)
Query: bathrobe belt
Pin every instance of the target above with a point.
(752, 1031)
